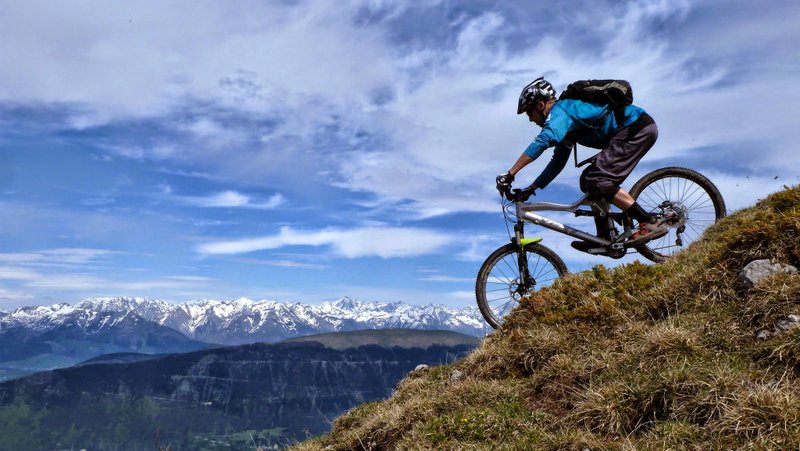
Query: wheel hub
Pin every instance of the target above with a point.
(676, 213)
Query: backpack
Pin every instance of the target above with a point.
(615, 93)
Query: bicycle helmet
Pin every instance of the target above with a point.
(536, 89)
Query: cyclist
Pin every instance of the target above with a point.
(565, 122)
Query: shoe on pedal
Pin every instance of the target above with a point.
(585, 246)
(582, 246)
(647, 231)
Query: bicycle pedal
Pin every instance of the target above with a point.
(589, 248)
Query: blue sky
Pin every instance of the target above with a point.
(307, 150)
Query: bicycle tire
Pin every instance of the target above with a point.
(499, 274)
(697, 196)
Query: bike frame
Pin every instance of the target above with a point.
(526, 213)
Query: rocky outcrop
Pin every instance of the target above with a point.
(755, 271)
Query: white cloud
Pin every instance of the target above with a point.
(448, 125)
(61, 256)
(226, 199)
(241, 55)
(11, 273)
(282, 263)
(96, 284)
(447, 279)
(387, 242)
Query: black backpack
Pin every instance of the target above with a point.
(616, 93)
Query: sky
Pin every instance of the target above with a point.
(301, 151)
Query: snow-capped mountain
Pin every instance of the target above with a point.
(245, 321)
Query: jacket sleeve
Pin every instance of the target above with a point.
(555, 166)
(558, 124)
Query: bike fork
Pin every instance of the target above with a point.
(525, 279)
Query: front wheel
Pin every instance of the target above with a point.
(502, 282)
(691, 198)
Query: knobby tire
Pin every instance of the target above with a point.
(700, 197)
(495, 288)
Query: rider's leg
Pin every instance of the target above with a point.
(613, 165)
(603, 227)
(628, 204)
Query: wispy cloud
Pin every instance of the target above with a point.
(226, 199)
(61, 256)
(93, 283)
(388, 242)
(448, 279)
(282, 263)
(12, 273)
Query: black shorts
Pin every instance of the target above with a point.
(614, 164)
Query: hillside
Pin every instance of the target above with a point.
(31, 340)
(403, 338)
(639, 357)
(223, 398)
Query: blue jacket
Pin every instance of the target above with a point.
(588, 124)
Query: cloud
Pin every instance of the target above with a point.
(228, 199)
(60, 256)
(448, 279)
(388, 242)
(425, 125)
(282, 263)
(11, 273)
(94, 284)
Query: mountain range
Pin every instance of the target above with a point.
(46, 337)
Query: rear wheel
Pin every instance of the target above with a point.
(500, 286)
(686, 194)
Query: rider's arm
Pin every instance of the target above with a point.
(558, 124)
(554, 131)
(555, 166)
(522, 161)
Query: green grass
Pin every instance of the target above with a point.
(637, 357)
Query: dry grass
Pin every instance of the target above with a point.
(639, 357)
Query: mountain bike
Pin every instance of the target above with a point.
(682, 199)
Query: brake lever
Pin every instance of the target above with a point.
(525, 194)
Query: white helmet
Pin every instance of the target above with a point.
(539, 88)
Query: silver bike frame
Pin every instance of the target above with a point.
(526, 211)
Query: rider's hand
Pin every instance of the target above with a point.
(504, 182)
(528, 192)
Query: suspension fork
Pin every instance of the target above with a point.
(525, 279)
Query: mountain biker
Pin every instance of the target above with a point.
(565, 122)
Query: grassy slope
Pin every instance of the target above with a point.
(638, 357)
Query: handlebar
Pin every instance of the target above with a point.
(517, 194)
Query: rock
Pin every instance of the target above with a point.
(421, 367)
(756, 270)
(456, 375)
(783, 324)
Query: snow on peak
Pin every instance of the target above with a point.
(245, 321)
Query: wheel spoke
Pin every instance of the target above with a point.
(692, 196)
(499, 290)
